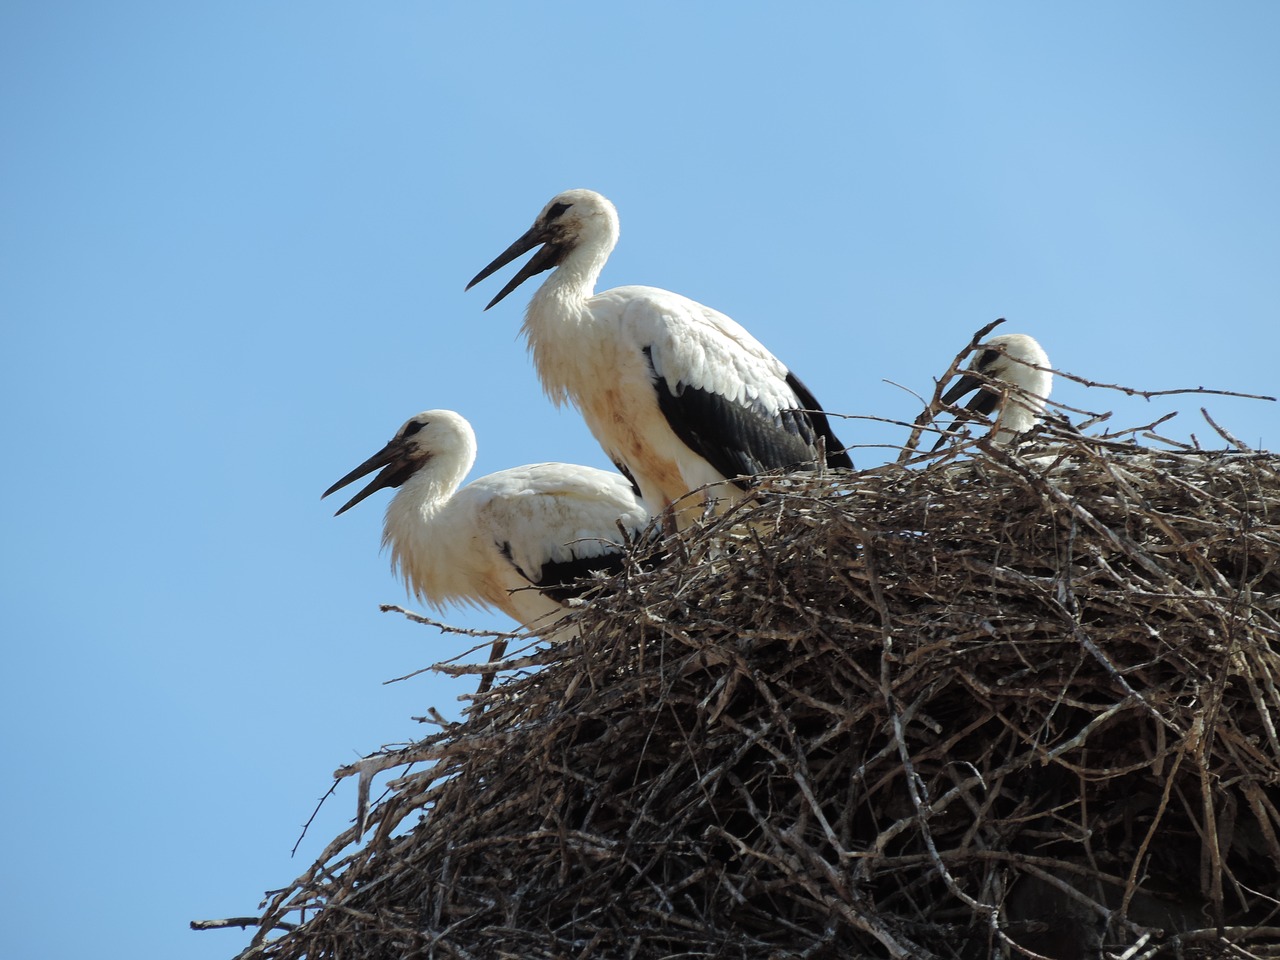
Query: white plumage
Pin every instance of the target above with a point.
(515, 540)
(1012, 376)
(678, 394)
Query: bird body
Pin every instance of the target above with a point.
(677, 394)
(1012, 377)
(515, 540)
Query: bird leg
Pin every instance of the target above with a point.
(496, 652)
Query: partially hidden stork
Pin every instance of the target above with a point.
(679, 395)
(520, 540)
(1012, 377)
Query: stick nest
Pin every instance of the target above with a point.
(1022, 704)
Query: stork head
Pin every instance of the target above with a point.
(434, 437)
(1010, 372)
(573, 219)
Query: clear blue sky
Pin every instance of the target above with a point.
(233, 244)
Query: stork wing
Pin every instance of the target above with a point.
(728, 398)
(556, 523)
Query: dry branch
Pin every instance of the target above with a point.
(1018, 705)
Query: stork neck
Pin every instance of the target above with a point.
(408, 527)
(1023, 406)
(1016, 418)
(574, 280)
(427, 490)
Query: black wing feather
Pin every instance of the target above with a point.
(562, 580)
(837, 456)
(742, 440)
(566, 579)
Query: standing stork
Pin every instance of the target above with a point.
(679, 395)
(519, 540)
(1012, 376)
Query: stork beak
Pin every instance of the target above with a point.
(396, 469)
(546, 258)
(964, 385)
(983, 403)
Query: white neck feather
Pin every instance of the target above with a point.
(559, 309)
(1018, 414)
(1024, 399)
(407, 527)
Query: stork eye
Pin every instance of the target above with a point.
(987, 359)
(557, 211)
(412, 427)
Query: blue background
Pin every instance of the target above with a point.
(233, 244)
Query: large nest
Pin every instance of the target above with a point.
(1022, 704)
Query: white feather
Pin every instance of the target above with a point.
(486, 543)
(590, 349)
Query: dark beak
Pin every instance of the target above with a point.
(396, 467)
(982, 405)
(964, 385)
(544, 259)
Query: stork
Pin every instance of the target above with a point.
(1012, 376)
(679, 395)
(519, 540)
